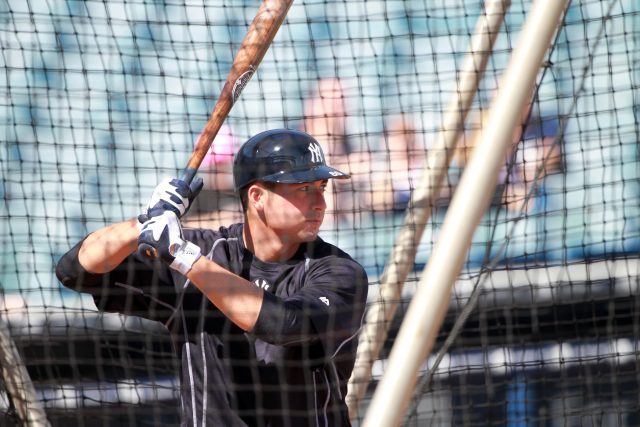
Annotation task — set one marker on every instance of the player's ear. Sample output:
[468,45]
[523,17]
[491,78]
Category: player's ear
[255,196]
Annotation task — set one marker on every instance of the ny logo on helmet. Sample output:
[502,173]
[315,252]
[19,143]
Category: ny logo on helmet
[316,153]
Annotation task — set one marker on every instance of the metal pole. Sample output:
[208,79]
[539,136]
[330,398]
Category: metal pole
[19,386]
[402,258]
[431,301]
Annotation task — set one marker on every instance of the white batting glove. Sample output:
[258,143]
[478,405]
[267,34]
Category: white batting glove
[161,237]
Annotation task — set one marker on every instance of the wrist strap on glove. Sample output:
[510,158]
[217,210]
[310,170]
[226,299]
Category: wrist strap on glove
[185,256]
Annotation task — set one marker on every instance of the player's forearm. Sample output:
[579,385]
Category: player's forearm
[106,248]
[237,298]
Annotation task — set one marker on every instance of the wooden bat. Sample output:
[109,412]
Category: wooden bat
[263,29]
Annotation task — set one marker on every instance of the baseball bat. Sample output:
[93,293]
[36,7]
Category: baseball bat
[255,44]
[263,29]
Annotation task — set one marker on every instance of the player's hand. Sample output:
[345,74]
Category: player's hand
[172,195]
[161,237]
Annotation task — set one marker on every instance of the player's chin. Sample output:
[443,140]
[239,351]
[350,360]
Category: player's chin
[310,230]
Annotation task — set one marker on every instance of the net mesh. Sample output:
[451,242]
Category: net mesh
[102,99]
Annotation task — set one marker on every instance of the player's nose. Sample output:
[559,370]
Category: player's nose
[318,201]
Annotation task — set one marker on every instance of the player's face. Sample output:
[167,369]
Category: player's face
[296,210]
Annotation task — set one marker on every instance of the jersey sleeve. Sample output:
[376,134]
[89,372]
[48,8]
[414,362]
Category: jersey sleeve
[136,287]
[327,310]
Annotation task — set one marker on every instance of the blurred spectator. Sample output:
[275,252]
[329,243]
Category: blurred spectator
[325,118]
[217,202]
[217,164]
[531,150]
[536,153]
[462,155]
[398,168]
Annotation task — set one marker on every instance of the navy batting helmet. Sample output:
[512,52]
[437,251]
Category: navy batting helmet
[281,155]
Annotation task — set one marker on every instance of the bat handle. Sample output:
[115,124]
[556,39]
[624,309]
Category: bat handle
[188,175]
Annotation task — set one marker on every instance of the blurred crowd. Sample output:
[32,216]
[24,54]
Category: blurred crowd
[385,171]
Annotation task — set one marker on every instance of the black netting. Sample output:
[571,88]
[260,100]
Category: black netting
[100,100]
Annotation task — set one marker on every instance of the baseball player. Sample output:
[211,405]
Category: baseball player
[263,314]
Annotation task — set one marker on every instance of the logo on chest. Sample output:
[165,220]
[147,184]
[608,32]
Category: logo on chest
[262,283]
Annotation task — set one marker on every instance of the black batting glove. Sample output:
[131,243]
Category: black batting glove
[173,195]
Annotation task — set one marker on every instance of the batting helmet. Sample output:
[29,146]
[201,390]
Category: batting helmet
[281,155]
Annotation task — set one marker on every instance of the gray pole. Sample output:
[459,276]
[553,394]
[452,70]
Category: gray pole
[402,257]
[431,301]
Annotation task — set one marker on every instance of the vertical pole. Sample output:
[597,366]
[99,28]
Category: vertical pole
[18,383]
[402,257]
[431,301]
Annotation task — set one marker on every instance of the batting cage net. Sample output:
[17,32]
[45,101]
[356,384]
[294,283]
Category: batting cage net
[101,100]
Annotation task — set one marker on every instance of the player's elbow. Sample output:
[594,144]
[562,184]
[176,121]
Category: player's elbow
[66,277]
[70,272]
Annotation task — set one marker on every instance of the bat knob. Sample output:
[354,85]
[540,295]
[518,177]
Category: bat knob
[147,251]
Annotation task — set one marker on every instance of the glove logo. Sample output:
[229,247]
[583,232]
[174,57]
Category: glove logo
[263,284]
[325,300]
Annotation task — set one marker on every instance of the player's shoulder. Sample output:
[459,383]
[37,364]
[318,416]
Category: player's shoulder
[323,252]
[320,248]
[207,237]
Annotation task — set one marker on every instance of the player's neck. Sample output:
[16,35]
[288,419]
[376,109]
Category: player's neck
[267,245]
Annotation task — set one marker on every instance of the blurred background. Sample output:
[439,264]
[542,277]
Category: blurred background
[100,100]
